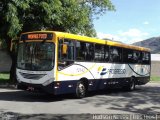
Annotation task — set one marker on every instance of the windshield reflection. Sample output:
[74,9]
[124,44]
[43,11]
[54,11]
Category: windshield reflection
[36,56]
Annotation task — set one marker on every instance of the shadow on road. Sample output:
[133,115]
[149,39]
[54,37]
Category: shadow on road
[16,116]
[56,117]
[143,100]
[24,96]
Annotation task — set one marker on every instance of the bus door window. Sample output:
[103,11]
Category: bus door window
[66,52]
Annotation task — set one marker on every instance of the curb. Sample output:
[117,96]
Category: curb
[8,85]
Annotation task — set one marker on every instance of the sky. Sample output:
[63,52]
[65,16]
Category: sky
[133,21]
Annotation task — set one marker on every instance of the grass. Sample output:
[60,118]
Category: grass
[155,79]
[4,76]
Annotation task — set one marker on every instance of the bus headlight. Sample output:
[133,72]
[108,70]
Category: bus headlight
[48,82]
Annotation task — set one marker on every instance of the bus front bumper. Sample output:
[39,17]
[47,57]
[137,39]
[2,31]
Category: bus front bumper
[36,87]
[55,88]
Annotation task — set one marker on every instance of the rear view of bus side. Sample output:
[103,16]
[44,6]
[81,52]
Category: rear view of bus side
[60,63]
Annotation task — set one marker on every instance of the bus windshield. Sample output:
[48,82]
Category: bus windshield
[36,56]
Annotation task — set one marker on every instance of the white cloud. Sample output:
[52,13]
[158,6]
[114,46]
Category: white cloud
[107,36]
[146,23]
[130,36]
[133,40]
[133,33]
[101,35]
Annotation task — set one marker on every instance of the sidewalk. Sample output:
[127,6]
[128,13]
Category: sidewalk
[7,84]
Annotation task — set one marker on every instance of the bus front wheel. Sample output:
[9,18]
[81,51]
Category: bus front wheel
[80,90]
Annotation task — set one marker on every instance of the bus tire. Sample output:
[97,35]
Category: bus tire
[131,85]
[81,89]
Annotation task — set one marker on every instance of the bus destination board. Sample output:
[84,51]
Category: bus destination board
[37,36]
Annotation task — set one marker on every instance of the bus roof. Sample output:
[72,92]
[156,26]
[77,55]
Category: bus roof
[93,40]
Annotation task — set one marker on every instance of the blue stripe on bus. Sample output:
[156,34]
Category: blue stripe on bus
[69,86]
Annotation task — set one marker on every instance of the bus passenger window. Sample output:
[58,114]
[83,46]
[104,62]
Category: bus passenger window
[136,57]
[99,53]
[106,53]
[127,55]
[80,55]
[115,54]
[145,58]
[84,51]
[89,51]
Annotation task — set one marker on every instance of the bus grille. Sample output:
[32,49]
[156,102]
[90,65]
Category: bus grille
[32,76]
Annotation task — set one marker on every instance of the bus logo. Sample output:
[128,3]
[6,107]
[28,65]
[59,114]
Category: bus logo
[102,70]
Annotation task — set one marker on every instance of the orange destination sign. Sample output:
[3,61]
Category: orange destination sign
[37,36]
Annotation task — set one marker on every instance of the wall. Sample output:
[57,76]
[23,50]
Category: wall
[155,68]
[5,61]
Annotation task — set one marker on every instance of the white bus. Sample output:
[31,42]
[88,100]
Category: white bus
[60,63]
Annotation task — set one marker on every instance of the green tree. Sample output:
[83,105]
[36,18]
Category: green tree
[73,16]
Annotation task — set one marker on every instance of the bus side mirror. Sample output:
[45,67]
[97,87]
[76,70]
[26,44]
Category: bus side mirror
[64,48]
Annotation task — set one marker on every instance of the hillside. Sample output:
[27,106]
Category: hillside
[152,43]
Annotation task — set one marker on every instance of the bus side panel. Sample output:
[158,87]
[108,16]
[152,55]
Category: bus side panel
[101,75]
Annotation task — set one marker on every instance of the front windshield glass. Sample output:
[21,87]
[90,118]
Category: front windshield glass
[35,56]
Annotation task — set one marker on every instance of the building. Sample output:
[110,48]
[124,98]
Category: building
[155,65]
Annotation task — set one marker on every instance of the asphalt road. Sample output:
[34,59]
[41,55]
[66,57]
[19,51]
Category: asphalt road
[144,100]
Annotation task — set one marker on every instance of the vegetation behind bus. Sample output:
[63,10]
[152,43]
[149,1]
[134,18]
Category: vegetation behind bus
[4,76]
[60,15]
[155,78]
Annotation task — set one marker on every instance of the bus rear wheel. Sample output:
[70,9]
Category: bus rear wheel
[80,90]
[131,85]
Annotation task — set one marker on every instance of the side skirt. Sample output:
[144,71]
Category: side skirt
[69,86]
[97,84]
